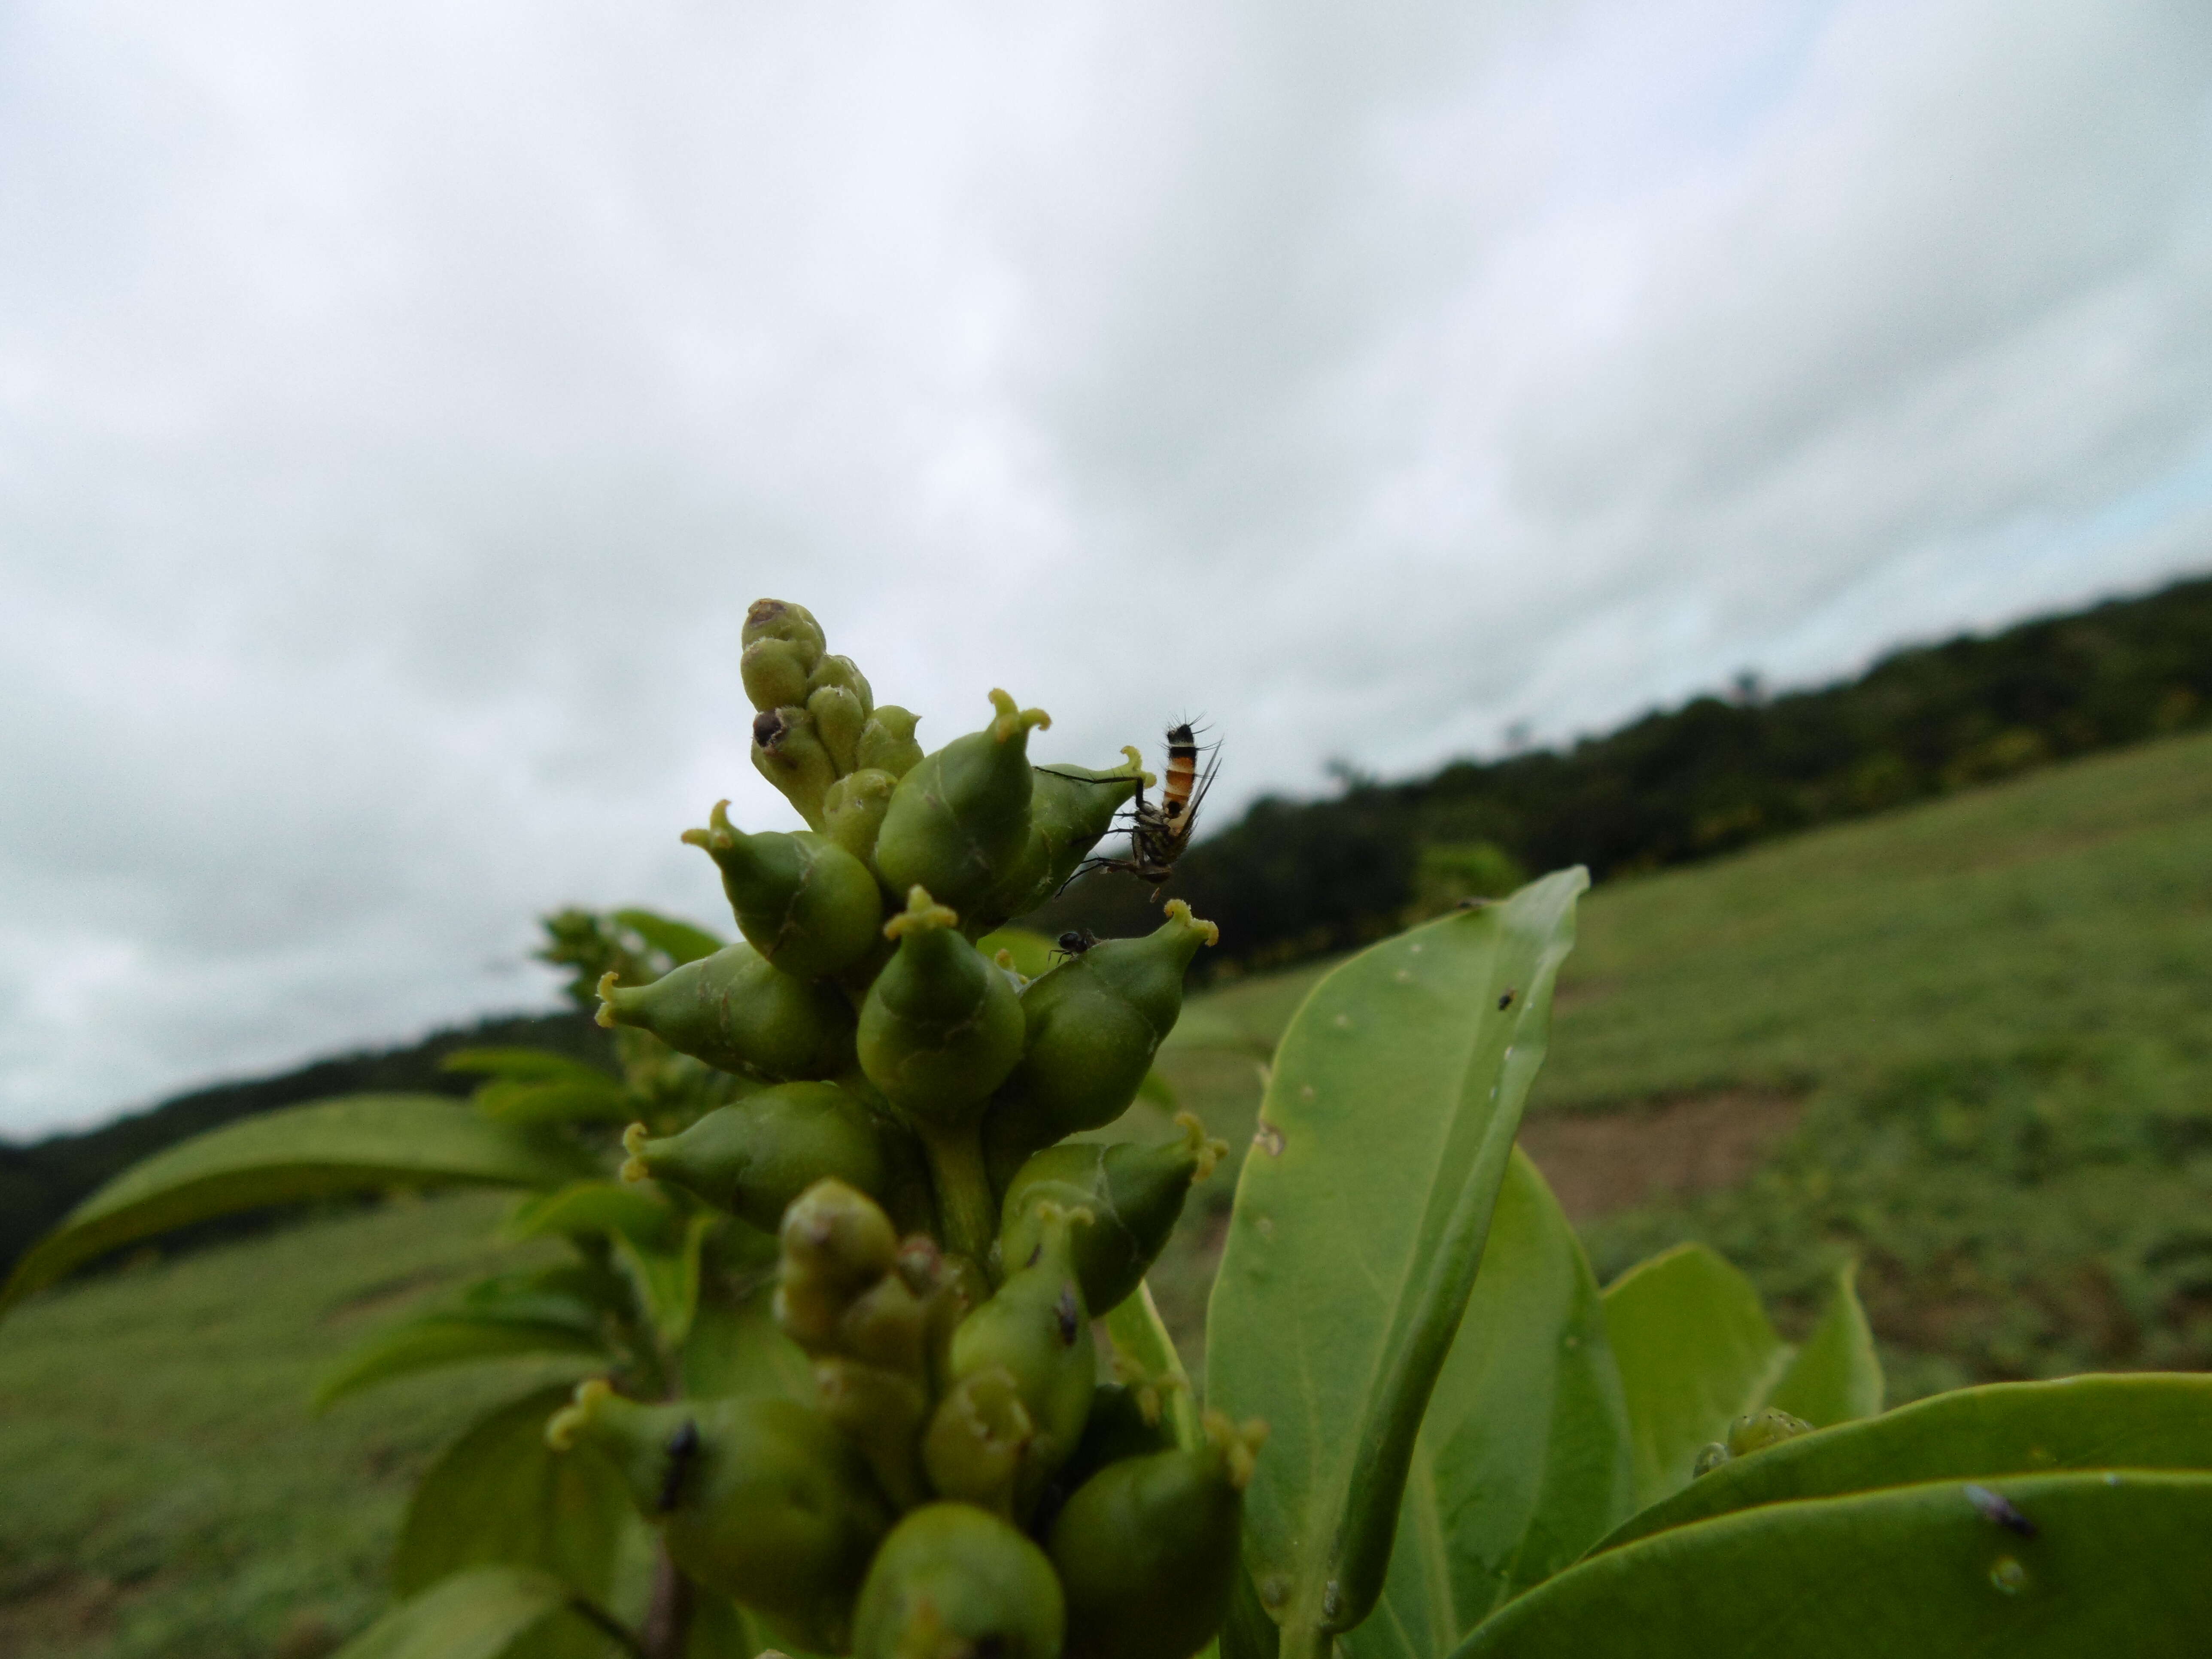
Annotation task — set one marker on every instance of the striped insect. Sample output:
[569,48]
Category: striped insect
[1160,831]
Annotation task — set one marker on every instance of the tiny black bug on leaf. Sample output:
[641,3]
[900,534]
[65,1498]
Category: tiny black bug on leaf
[683,1447]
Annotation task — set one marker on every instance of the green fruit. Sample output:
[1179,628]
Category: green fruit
[1091,1027]
[737,1011]
[779,619]
[1037,1330]
[953,1583]
[844,674]
[790,754]
[753,1158]
[978,1443]
[882,1413]
[1130,1193]
[853,811]
[837,1245]
[1124,1423]
[959,824]
[773,672]
[1756,1431]
[941,1027]
[887,741]
[1071,807]
[1146,1549]
[758,1498]
[804,902]
[838,716]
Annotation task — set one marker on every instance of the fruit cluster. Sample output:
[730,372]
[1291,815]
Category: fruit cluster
[963,1484]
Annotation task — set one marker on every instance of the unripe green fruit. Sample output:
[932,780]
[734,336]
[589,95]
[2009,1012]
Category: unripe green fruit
[941,1027]
[737,1011]
[838,716]
[1071,808]
[979,1441]
[843,673]
[853,811]
[882,1411]
[779,619]
[953,1583]
[754,1157]
[1124,1423]
[773,672]
[960,822]
[887,741]
[836,1244]
[1146,1549]
[1036,1329]
[802,901]
[758,1498]
[1130,1193]
[790,754]
[1091,1027]
[1756,1431]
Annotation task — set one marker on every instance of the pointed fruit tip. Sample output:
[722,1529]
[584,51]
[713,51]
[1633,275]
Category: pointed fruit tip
[565,1425]
[922,914]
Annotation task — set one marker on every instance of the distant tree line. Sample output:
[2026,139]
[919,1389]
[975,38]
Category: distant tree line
[1293,878]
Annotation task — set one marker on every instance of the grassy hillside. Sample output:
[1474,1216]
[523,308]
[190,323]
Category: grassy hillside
[1971,1042]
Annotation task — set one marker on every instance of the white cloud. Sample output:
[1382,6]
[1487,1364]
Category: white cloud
[398,409]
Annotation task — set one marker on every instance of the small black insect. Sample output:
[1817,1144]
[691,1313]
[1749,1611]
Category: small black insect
[1075,941]
[1067,1310]
[1995,1506]
[683,1447]
[1505,1001]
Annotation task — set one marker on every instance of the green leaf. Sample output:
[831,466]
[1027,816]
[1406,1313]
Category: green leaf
[1199,1027]
[1524,1459]
[2147,1420]
[500,1495]
[481,1615]
[1695,1351]
[1158,1090]
[680,941]
[667,1279]
[735,1346]
[617,1209]
[434,1339]
[1141,1336]
[1837,1375]
[556,1100]
[524,1065]
[2117,1565]
[361,1144]
[1360,1219]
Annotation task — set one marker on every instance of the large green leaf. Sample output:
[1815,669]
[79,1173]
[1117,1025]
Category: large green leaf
[500,1495]
[2116,1565]
[484,1613]
[1836,1375]
[634,1211]
[1141,1337]
[556,1100]
[363,1143]
[1360,1219]
[1522,1460]
[2146,1420]
[667,1278]
[1695,1350]
[434,1339]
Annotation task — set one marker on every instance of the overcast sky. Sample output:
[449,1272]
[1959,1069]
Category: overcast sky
[399,405]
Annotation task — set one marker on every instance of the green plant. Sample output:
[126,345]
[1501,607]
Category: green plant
[832,1252]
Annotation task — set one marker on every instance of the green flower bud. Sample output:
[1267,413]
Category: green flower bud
[843,673]
[1131,1193]
[978,1443]
[1756,1431]
[959,824]
[758,1498]
[941,1027]
[790,754]
[778,619]
[836,1244]
[736,1011]
[838,716]
[1146,1549]
[882,1411]
[853,811]
[773,672]
[1036,1329]
[802,901]
[753,1158]
[1092,1025]
[953,1583]
[887,741]
[1711,1457]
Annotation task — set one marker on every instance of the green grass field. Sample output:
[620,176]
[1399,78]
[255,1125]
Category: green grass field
[1974,1039]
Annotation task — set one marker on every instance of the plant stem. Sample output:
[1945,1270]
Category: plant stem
[964,1209]
[668,1619]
